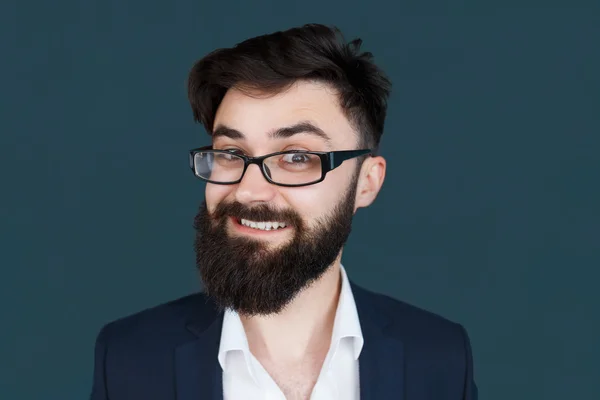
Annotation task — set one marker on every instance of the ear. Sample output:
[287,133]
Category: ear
[372,175]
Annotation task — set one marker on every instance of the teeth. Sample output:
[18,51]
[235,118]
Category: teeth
[264,226]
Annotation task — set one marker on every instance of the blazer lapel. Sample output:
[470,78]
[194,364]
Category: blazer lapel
[381,361]
[198,372]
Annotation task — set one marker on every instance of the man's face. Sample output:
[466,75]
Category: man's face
[258,271]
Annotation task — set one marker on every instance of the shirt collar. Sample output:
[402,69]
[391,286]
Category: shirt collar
[233,336]
[346,325]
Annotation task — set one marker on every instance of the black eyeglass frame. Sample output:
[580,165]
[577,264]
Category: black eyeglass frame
[330,160]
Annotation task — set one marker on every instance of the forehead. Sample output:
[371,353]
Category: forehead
[256,115]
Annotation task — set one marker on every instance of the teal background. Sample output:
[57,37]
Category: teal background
[488,216]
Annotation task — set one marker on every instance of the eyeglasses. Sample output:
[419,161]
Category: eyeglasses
[285,168]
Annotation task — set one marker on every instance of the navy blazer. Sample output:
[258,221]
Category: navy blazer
[170,352]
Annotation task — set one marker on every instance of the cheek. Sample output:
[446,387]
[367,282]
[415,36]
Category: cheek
[314,201]
[214,194]
[304,201]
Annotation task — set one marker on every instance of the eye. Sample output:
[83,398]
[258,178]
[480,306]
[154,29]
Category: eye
[228,158]
[296,158]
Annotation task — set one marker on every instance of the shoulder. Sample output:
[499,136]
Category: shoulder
[130,350]
[415,326]
[165,322]
[436,350]
[433,346]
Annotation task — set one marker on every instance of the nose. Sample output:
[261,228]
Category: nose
[254,187]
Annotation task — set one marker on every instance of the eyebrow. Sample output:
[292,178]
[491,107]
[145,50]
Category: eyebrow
[280,133]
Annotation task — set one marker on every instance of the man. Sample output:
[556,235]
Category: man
[295,119]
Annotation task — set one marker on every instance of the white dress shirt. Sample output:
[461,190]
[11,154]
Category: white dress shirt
[244,378]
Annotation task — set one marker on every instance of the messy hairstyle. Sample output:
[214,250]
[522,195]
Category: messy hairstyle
[270,64]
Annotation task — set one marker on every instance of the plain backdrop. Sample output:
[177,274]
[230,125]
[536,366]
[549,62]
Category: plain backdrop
[488,216]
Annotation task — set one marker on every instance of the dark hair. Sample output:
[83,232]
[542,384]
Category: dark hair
[271,63]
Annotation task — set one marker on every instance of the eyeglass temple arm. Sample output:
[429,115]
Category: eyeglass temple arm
[336,158]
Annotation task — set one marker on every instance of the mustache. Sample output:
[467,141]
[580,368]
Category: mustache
[262,212]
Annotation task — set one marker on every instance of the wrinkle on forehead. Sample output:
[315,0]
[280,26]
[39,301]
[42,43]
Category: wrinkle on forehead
[257,114]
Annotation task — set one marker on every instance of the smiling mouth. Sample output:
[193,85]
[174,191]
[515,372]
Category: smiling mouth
[262,225]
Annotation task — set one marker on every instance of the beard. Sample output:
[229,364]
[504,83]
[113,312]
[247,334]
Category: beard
[253,278]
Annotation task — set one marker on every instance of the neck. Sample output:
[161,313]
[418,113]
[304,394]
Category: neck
[303,328]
